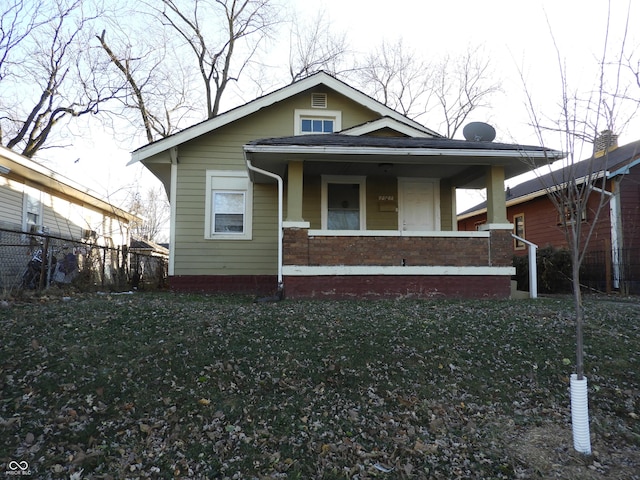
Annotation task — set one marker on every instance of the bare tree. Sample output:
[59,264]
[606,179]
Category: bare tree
[394,75]
[48,73]
[18,20]
[581,186]
[314,47]
[461,85]
[153,207]
[223,35]
[448,90]
[158,89]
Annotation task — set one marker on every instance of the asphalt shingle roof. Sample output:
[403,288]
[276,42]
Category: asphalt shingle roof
[371,141]
[616,159]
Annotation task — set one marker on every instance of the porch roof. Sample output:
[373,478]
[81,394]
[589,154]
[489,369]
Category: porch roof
[461,160]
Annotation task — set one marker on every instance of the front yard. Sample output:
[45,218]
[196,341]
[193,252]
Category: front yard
[186,386]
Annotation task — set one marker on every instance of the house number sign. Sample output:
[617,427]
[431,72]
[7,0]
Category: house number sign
[385,198]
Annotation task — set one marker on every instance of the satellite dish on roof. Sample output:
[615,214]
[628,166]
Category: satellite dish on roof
[479,132]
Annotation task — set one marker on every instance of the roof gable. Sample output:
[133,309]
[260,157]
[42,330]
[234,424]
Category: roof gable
[387,123]
[320,78]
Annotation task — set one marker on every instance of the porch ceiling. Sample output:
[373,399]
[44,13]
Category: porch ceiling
[461,161]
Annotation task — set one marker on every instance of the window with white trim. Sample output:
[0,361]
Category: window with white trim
[32,207]
[316,125]
[343,202]
[313,122]
[571,214]
[229,205]
[518,230]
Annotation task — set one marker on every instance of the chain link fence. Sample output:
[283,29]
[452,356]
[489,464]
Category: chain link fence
[36,261]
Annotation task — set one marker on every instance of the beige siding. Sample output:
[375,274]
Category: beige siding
[11,204]
[379,214]
[61,217]
[222,150]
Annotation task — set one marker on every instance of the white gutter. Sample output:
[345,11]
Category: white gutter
[253,168]
[173,194]
[390,151]
[615,236]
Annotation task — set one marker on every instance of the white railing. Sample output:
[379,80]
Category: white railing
[533,268]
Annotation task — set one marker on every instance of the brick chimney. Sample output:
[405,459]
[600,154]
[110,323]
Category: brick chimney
[605,143]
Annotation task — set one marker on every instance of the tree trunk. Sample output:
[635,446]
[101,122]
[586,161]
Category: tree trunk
[577,300]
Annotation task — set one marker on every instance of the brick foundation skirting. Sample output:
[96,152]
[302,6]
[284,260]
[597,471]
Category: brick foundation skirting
[355,286]
[349,286]
[245,284]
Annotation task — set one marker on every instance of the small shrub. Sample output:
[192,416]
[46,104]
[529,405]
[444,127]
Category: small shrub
[554,270]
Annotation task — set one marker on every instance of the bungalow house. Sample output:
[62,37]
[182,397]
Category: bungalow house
[318,190]
[36,201]
[614,249]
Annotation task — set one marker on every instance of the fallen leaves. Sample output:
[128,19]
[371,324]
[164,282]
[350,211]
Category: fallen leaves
[150,386]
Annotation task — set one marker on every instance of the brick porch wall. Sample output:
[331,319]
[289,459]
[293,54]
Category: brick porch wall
[501,248]
[304,250]
[300,249]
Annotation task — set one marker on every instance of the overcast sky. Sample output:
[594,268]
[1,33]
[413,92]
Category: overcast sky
[514,34]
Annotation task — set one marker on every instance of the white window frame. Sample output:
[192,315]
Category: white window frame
[36,195]
[519,244]
[228,181]
[316,114]
[361,180]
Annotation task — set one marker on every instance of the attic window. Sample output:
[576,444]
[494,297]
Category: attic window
[311,122]
[318,100]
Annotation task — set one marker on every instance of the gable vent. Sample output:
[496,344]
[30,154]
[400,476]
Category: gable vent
[319,100]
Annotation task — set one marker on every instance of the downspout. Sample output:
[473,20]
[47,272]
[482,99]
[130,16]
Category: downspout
[173,193]
[615,237]
[253,168]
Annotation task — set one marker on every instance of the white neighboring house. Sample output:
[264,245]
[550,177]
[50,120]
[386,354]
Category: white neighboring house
[37,203]
[35,199]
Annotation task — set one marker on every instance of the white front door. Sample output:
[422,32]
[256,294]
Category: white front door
[418,204]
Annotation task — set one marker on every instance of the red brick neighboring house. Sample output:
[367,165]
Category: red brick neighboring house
[615,243]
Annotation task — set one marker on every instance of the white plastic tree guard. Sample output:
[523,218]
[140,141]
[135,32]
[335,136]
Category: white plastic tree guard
[580,415]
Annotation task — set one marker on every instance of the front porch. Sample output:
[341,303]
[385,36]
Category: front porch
[375,216]
[384,263]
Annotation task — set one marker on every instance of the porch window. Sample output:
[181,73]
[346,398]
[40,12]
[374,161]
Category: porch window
[518,227]
[343,200]
[229,204]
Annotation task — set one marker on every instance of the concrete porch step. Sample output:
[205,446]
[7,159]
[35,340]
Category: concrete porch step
[517,294]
